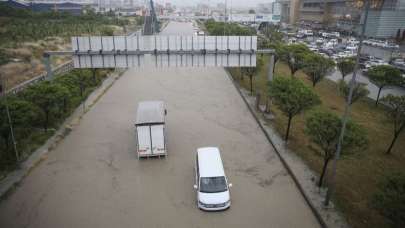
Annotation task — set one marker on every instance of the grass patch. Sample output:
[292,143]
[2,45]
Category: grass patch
[358,174]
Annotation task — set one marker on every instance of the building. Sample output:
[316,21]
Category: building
[288,11]
[264,8]
[323,11]
[385,20]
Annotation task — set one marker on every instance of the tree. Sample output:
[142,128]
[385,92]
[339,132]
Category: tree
[346,66]
[222,29]
[389,199]
[250,72]
[77,81]
[323,129]
[317,67]
[273,35]
[359,90]
[94,75]
[48,97]
[252,11]
[107,31]
[383,76]
[23,116]
[396,113]
[292,97]
[293,55]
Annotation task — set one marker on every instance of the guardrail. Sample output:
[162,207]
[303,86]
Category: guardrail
[61,69]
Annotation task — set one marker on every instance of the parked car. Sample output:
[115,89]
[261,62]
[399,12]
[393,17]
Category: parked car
[211,182]
[372,63]
[319,41]
[335,34]
[399,62]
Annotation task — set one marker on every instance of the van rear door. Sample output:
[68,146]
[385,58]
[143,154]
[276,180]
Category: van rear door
[158,139]
[144,143]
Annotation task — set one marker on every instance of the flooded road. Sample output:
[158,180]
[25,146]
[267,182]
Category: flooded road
[94,179]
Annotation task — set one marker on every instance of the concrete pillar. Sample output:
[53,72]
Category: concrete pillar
[48,68]
[271,68]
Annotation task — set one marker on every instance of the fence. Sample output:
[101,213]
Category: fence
[61,69]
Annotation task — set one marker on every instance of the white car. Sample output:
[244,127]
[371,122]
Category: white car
[211,183]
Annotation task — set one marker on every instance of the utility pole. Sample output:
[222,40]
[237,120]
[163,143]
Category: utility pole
[3,91]
[226,5]
[332,181]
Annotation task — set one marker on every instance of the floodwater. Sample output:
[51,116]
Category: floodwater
[94,179]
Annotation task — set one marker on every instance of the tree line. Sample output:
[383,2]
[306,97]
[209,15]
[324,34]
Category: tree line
[322,127]
[227,29]
[20,25]
[38,110]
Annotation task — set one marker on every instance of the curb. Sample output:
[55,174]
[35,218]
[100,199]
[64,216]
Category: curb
[285,164]
[14,178]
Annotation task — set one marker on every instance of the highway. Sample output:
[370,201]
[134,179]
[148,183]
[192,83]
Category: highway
[94,179]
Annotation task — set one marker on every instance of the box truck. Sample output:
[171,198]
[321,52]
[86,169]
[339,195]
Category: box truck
[150,129]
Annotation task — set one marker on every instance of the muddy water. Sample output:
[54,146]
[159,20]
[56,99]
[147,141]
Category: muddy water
[93,178]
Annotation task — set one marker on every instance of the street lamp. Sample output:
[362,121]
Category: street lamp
[3,93]
[331,187]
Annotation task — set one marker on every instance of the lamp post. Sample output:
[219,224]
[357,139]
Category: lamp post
[10,123]
[331,187]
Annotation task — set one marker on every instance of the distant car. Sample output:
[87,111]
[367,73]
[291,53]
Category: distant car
[319,40]
[211,183]
[309,33]
[392,46]
[335,34]
[292,41]
[300,35]
[374,62]
[351,48]
[399,62]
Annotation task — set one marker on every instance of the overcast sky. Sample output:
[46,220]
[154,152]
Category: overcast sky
[236,3]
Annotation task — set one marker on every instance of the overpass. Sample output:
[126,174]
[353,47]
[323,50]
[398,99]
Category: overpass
[151,24]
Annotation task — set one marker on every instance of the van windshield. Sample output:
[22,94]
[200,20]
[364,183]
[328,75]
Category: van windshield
[212,184]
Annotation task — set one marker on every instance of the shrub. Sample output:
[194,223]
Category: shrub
[389,199]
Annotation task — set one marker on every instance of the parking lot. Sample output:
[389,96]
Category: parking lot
[93,177]
[374,52]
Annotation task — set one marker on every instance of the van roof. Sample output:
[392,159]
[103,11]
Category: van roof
[209,162]
[150,112]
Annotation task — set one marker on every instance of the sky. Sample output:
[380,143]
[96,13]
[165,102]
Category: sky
[235,3]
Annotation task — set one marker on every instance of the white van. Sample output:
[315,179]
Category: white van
[211,183]
[150,129]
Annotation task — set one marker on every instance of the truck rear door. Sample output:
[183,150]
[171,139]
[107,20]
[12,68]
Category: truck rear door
[144,143]
[158,139]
